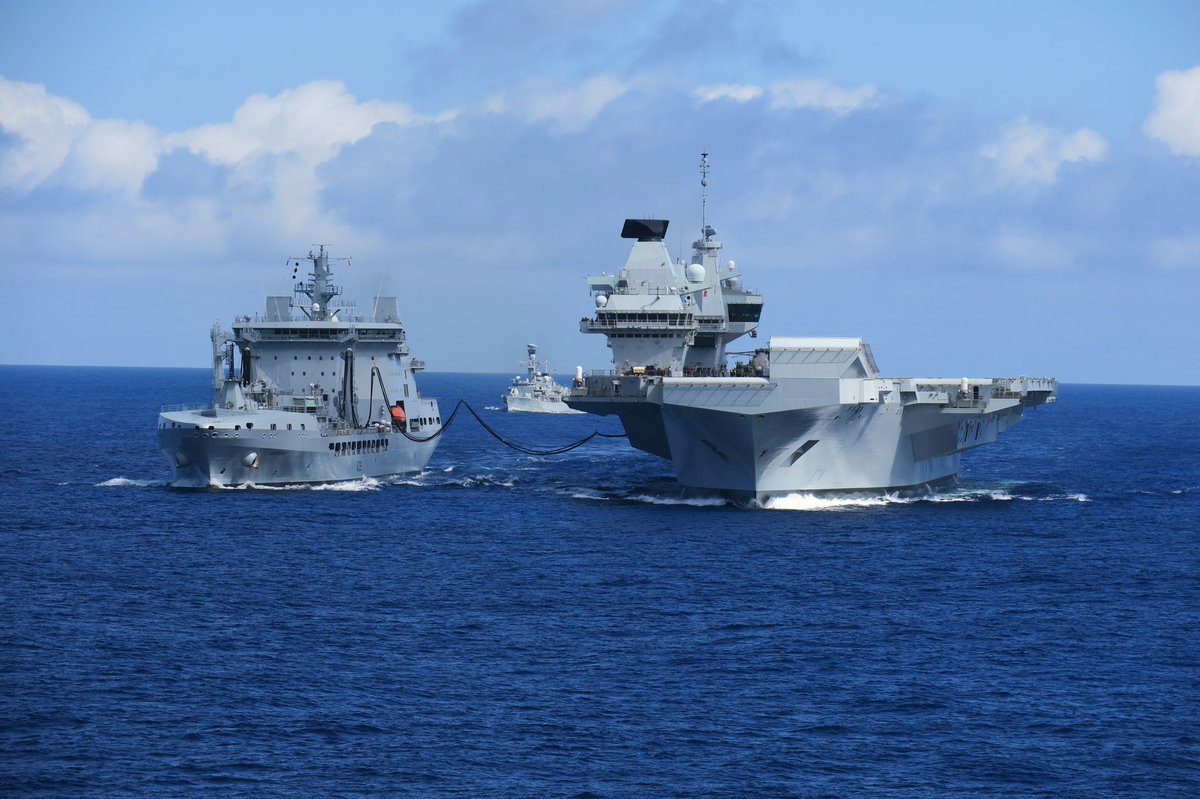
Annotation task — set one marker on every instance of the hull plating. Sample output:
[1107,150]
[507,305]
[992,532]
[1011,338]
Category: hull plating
[202,458]
[519,404]
[885,447]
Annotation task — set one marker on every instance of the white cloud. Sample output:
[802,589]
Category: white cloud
[114,154]
[569,107]
[1030,153]
[54,135]
[1175,120]
[738,92]
[816,93]
[819,93]
[312,122]
[46,128]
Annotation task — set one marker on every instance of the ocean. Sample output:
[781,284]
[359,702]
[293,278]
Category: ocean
[504,625]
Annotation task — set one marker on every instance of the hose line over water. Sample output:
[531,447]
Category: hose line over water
[439,431]
[510,444]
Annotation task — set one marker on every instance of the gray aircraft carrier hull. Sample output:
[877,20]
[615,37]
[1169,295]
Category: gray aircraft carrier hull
[745,437]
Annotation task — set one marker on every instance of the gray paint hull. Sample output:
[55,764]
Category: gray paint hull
[226,457]
[835,447]
[522,404]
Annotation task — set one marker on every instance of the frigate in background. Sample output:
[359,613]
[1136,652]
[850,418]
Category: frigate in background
[799,415]
[536,391]
[308,391]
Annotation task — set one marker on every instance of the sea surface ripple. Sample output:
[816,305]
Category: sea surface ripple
[511,626]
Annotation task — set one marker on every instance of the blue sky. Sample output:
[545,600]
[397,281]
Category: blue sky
[977,189]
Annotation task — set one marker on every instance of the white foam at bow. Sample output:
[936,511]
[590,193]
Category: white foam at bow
[123,482]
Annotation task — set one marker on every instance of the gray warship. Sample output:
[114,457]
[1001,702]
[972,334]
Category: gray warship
[799,415]
[536,391]
[307,391]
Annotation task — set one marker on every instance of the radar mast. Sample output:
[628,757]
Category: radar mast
[704,249]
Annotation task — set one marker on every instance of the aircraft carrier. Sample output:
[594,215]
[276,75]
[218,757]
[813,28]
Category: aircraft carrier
[798,415]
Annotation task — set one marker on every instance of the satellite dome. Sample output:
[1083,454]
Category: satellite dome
[695,273]
[601,300]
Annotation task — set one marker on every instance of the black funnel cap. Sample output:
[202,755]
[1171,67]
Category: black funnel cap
[645,229]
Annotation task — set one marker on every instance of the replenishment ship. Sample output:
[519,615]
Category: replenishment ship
[307,391]
[536,391]
[798,415]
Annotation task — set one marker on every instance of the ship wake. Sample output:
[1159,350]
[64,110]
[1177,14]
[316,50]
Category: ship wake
[956,494]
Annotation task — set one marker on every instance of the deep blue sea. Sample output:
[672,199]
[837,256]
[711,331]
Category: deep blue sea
[513,626]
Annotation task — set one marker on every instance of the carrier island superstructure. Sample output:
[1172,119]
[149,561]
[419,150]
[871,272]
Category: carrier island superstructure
[799,415]
[307,391]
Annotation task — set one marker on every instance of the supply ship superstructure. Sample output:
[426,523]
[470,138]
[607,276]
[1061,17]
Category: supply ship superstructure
[798,415]
[307,391]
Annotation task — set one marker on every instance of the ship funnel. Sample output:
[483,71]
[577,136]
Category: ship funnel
[644,229]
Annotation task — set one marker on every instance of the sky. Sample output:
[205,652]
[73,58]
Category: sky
[977,189]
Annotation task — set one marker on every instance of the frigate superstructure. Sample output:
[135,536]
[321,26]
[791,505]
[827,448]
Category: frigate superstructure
[798,415]
[307,391]
[536,391]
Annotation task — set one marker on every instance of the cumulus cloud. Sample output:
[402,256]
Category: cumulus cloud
[1175,120]
[738,92]
[1030,153]
[55,139]
[568,107]
[113,154]
[44,129]
[813,93]
[819,93]
[310,122]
